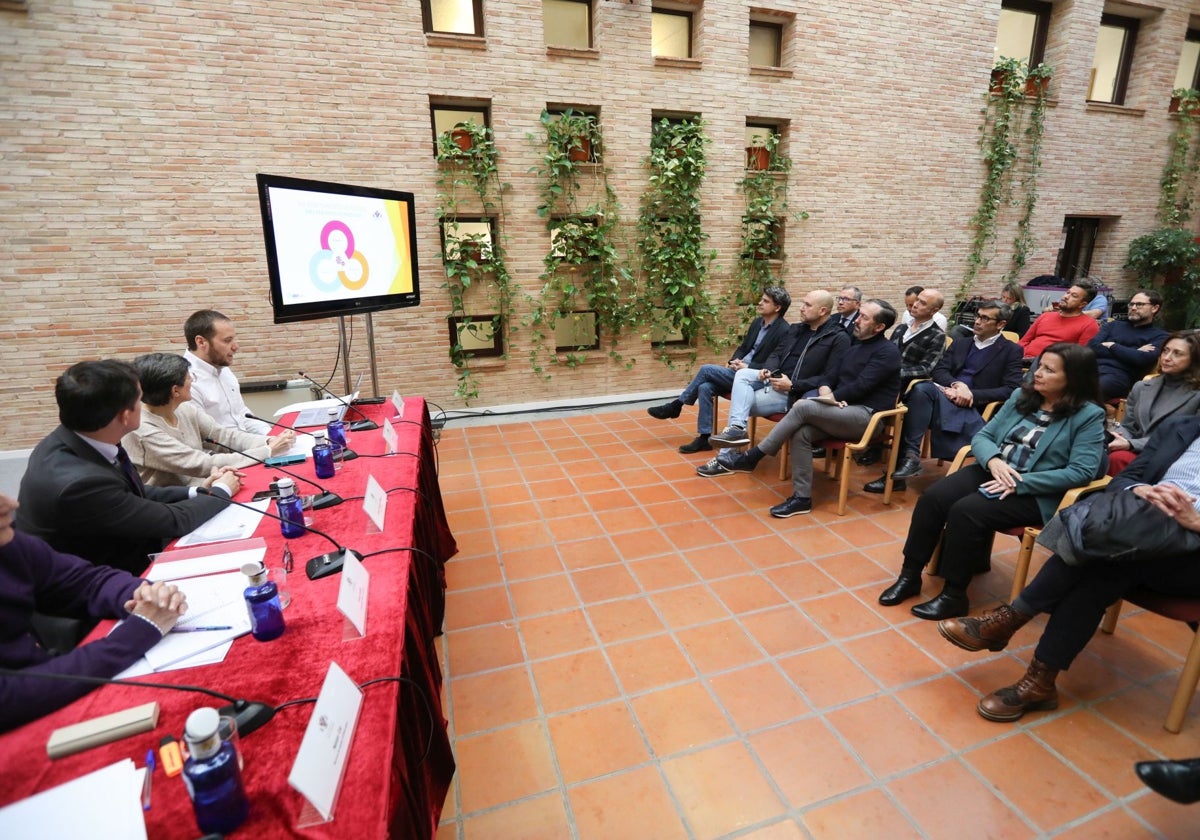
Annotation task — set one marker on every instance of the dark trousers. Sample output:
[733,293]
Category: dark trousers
[921,401]
[1077,596]
[969,520]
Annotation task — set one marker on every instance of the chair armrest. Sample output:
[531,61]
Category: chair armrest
[914,383]
[990,409]
[960,459]
[1076,493]
[873,426]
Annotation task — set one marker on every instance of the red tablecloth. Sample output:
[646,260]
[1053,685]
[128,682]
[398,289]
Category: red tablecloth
[400,764]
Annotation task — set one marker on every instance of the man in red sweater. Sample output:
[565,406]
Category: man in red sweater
[1067,323]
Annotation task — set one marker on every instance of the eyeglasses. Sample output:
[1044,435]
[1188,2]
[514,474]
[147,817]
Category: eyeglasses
[843,299]
[986,318]
[1140,303]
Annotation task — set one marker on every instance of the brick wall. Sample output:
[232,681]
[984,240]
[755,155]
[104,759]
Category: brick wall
[131,135]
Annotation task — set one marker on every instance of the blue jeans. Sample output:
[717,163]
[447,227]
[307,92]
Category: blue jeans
[753,397]
[708,381]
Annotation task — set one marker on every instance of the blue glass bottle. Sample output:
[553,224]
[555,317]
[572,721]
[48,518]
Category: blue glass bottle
[212,775]
[336,429]
[291,509]
[263,604]
[322,454]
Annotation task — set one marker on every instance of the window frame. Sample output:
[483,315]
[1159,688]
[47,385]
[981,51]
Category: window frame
[497,324]
[490,221]
[1042,11]
[688,15]
[579,348]
[1125,67]
[591,27]
[1193,35]
[427,20]
[778,29]
[485,112]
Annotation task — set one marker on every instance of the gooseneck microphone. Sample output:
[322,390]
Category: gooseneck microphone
[364,425]
[317,567]
[324,499]
[250,715]
[347,454]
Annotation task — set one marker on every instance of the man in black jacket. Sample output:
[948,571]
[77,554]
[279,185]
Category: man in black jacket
[972,373]
[764,334]
[811,350]
[868,380]
[81,494]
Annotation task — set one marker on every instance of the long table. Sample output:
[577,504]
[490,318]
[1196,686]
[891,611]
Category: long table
[400,763]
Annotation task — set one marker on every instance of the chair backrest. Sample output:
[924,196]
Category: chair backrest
[1010,335]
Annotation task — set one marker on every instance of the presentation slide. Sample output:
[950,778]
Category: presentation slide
[336,247]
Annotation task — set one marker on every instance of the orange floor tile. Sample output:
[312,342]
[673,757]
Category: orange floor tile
[631,650]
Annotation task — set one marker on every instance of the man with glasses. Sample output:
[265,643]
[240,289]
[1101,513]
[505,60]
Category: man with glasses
[973,372]
[848,301]
[1126,350]
[759,342]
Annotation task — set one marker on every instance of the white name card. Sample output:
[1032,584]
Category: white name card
[391,440]
[375,502]
[353,591]
[321,762]
[398,402]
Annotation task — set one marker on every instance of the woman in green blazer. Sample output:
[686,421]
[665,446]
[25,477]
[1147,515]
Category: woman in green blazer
[1048,438]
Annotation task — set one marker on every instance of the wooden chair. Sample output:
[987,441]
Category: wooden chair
[1027,535]
[1180,609]
[1010,335]
[785,454]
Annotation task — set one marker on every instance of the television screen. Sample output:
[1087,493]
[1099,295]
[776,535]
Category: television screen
[336,249]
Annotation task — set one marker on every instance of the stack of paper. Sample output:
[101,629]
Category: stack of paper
[104,805]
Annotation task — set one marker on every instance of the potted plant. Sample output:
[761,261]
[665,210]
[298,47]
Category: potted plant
[1169,259]
[758,156]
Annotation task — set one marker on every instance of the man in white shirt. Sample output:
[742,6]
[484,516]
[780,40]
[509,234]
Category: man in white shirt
[910,298]
[212,344]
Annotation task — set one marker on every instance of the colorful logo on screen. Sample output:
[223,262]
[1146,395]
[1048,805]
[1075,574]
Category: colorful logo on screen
[337,261]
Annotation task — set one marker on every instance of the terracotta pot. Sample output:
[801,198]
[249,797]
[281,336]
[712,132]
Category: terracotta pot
[998,79]
[581,152]
[758,157]
[1174,109]
[1036,85]
[462,138]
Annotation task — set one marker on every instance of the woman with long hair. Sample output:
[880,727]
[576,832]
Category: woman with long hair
[1175,393]
[1014,296]
[1047,438]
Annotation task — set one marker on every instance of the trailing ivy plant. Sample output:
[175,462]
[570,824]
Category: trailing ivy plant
[583,269]
[468,172]
[1012,90]
[1169,259]
[1179,174]
[672,245]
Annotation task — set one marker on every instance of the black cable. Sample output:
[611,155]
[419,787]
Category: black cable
[462,414]
[402,548]
[390,455]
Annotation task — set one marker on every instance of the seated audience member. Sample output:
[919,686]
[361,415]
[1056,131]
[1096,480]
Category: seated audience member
[973,372]
[760,340]
[1014,296]
[33,576]
[910,298]
[212,343]
[1048,438]
[1126,349]
[1065,323]
[1176,393]
[812,348]
[867,381]
[847,303]
[80,491]
[922,341]
[1076,594]
[168,446]
[1097,308]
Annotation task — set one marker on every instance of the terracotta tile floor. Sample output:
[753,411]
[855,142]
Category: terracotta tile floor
[635,651]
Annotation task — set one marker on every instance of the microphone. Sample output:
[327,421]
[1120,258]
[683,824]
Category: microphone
[323,500]
[317,567]
[250,715]
[364,425]
[347,454]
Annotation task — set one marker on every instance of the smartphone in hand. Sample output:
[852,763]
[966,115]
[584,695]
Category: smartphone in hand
[990,494]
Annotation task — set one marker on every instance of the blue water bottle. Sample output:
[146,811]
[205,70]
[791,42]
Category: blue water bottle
[212,775]
[336,429]
[322,454]
[262,602]
[291,509]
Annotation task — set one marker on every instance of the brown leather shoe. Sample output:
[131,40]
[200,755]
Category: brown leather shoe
[1034,692]
[991,630]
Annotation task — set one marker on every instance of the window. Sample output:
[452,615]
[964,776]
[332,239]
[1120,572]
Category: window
[766,44]
[577,331]
[759,144]
[478,335]
[580,134]
[468,237]
[1187,75]
[444,118]
[461,17]
[1114,59]
[1079,242]
[671,33]
[1022,31]
[567,23]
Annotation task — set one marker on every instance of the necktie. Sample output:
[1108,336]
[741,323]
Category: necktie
[127,468]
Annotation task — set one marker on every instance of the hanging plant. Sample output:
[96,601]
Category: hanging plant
[583,269]
[1000,137]
[1178,180]
[1036,83]
[672,244]
[468,172]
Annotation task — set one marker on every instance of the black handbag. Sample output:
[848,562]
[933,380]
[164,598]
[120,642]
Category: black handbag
[1121,527]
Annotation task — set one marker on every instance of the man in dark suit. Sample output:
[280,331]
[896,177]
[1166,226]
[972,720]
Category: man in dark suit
[972,373]
[848,301]
[1167,475]
[81,494]
[759,342]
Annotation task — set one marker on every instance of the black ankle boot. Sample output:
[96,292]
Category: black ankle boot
[952,603]
[905,587]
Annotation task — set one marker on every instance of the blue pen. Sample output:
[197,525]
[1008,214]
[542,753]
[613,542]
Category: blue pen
[146,782]
[178,629]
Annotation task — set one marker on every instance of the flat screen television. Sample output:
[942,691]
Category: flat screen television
[337,249]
